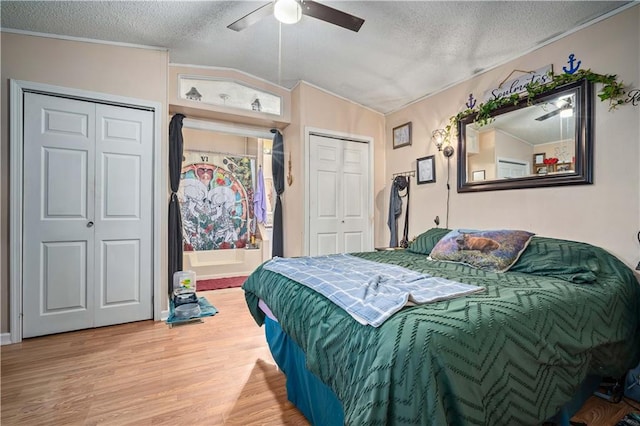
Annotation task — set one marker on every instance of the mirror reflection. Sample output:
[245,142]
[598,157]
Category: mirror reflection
[543,142]
[537,140]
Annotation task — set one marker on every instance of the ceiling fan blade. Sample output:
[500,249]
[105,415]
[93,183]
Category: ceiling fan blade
[331,15]
[555,112]
[253,17]
[549,115]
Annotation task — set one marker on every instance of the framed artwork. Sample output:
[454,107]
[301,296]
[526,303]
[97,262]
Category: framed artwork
[542,170]
[563,167]
[539,158]
[402,135]
[478,175]
[426,169]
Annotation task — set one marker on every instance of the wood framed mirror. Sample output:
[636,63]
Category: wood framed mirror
[544,141]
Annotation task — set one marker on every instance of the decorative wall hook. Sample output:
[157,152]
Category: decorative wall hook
[289,175]
[472,102]
[407,173]
[572,68]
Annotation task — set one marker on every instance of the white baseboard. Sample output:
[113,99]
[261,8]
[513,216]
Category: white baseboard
[5,339]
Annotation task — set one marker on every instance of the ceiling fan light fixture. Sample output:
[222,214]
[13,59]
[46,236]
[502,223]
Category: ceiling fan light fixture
[287,11]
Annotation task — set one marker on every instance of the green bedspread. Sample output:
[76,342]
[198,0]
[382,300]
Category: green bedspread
[511,355]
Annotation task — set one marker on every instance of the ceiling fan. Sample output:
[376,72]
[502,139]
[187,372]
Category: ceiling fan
[290,11]
[564,108]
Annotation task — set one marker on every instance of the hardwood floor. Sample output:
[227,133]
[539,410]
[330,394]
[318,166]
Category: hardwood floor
[598,412]
[145,373]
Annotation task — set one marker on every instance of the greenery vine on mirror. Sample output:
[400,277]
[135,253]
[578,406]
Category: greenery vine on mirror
[612,91]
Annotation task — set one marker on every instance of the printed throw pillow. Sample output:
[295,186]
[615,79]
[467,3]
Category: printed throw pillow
[493,251]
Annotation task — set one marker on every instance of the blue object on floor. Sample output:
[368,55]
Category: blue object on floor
[313,398]
[206,310]
[632,383]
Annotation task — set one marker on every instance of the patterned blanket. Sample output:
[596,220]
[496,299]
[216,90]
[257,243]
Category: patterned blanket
[369,291]
[513,354]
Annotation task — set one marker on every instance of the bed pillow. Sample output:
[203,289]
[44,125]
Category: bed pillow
[425,242]
[568,260]
[493,251]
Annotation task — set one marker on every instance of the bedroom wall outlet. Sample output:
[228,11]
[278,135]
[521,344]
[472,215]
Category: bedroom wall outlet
[437,222]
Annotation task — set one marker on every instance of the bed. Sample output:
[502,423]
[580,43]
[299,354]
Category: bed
[526,349]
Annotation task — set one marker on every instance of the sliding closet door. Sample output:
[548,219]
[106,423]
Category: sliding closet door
[338,196]
[87,215]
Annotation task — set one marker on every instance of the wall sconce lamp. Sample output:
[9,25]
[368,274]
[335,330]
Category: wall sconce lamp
[287,11]
[439,138]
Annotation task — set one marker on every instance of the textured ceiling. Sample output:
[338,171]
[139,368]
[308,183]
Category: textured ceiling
[404,51]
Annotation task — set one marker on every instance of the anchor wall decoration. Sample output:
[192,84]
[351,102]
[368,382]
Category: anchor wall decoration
[472,102]
[572,68]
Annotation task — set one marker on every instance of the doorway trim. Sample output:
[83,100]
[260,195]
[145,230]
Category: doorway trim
[308,132]
[17,88]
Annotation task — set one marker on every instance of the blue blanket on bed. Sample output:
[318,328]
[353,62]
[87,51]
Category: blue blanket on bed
[369,291]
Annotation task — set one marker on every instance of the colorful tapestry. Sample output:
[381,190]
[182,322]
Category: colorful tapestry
[216,199]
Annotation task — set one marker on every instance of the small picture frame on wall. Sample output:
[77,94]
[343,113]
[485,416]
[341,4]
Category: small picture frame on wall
[539,158]
[478,175]
[402,135]
[426,169]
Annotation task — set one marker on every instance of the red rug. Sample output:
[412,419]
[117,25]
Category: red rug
[218,283]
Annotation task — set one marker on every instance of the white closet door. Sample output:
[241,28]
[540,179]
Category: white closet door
[123,220]
[338,196]
[355,190]
[79,260]
[58,261]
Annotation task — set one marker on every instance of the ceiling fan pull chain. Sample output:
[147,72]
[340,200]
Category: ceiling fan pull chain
[279,53]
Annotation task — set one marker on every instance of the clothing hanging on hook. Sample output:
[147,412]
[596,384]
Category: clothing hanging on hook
[259,199]
[400,183]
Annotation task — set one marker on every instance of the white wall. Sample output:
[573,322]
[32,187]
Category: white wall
[606,213]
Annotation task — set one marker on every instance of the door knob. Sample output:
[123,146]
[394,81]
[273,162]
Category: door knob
[89,224]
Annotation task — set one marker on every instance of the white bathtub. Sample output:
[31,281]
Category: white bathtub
[222,263]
